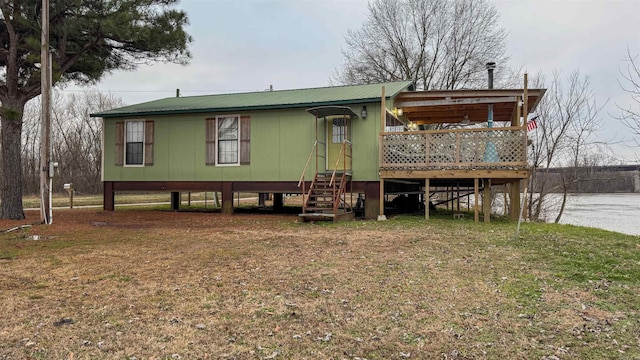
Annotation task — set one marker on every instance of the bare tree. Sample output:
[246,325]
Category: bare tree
[30,153]
[438,44]
[566,137]
[630,83]
[78,136]
[76,141]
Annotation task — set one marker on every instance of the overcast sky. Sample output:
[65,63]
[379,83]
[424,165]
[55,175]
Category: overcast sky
[248,45]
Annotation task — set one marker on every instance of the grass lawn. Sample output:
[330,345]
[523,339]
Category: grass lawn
[62,199]
[153,284]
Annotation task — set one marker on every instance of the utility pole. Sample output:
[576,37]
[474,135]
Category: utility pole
[46,168]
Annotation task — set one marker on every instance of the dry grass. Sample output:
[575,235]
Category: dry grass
[62,199]
[166,285]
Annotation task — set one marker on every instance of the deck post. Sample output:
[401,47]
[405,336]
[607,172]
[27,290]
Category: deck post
[372,200]
[476,216]
[525,100]
[278,201]
[108,196]
[426,199]
[381,215]
[175,201]
[383,123]
[227,198]
[262,199]
[515,121]
[514,210]
[525,200]
[486,203]
[505,199]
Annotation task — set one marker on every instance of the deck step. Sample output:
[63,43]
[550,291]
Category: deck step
[314,210]
[322,197]
[327,217]
[319,207]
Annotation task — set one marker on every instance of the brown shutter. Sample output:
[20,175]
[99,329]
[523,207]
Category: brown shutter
[245,140]
[148,142]
[210,141]
[120,143]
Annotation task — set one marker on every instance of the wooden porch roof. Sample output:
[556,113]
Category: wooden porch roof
[453,106]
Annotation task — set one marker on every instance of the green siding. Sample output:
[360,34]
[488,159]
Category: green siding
[179,158]
[282,134]
[280,144]
[365,145]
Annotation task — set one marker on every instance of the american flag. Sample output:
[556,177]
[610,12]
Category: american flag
[532,123]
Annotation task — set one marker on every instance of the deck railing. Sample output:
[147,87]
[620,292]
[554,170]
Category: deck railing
[481,148]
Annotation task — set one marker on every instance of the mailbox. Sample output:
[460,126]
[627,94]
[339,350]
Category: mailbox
[69,188]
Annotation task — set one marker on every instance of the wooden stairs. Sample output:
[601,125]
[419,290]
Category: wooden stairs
[326,198]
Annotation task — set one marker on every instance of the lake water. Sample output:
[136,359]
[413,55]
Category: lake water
[615,212]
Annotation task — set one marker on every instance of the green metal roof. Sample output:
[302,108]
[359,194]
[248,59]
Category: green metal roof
[282,99]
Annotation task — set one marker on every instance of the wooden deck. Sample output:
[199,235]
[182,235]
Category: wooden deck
[475,156]
[502,150]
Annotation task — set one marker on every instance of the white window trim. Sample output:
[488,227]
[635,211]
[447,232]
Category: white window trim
[218,139]
[144,137]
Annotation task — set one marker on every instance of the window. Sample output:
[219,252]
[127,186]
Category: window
[339,130]
[134,154]
[227,139]
[134,143]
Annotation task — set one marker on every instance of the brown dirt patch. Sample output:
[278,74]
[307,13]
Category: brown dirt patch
[155,284]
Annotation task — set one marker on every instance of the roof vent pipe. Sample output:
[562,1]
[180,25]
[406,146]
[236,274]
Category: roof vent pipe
[490,66]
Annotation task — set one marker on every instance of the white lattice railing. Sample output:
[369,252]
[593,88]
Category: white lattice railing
[482,148]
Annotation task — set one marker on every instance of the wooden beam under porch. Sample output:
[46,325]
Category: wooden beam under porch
[227,188]
[498,176]
[483,183]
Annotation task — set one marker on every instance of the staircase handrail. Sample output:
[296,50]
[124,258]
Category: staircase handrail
[343,152]
[337,197]
[304,172]
[350,155]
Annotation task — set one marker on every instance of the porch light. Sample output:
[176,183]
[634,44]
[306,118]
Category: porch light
[413,126]
[363,112]
[397,112]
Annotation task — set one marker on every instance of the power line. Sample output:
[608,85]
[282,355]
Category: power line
[225,91]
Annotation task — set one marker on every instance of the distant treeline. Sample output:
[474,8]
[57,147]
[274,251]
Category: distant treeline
[76,141]
[596,179]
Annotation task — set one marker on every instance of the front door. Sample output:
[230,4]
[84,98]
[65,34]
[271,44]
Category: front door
[338,131]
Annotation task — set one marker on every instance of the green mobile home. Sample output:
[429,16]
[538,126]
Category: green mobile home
[323,143]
